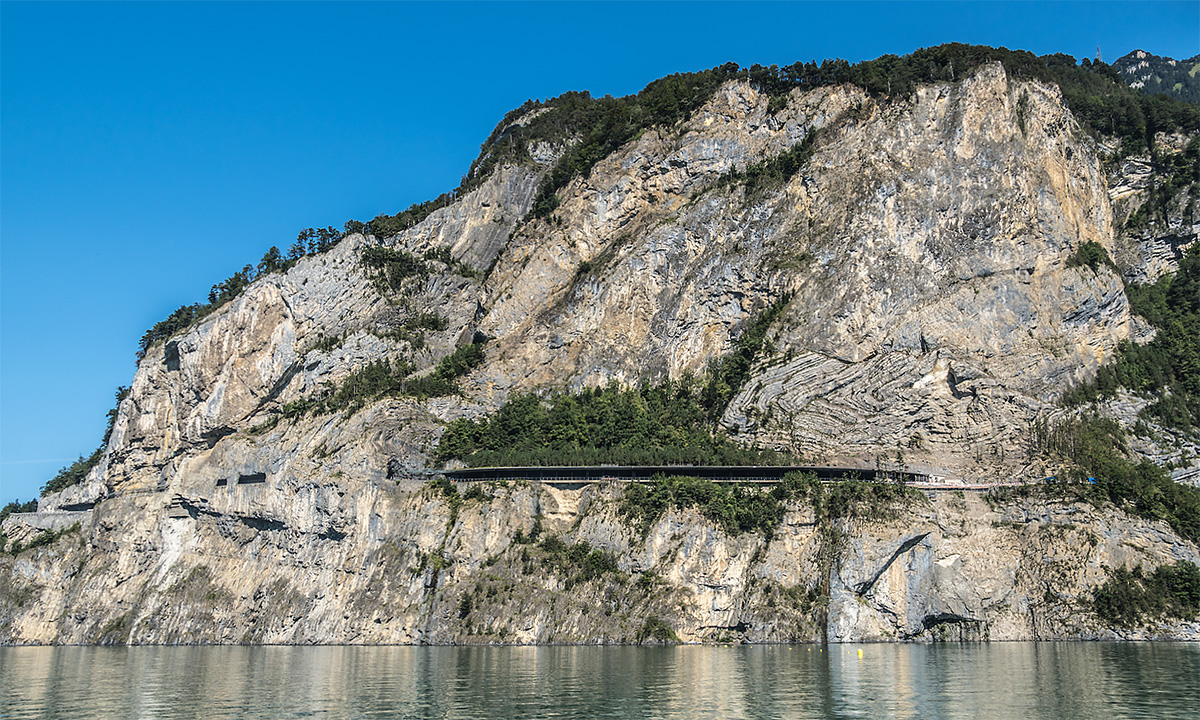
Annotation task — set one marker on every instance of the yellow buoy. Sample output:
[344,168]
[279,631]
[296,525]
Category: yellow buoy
[860,653]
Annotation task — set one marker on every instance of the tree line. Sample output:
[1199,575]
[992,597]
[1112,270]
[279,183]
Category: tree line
[380,379]
[309,241]
[673,422]
[1168,367]
[1094,91]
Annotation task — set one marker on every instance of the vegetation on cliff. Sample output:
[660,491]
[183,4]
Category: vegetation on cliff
[775,171]
[380,379]
[602,125]
[16,506]
[75,473]
[576,562]
[1098,469]
[646,425]
[390,269]
[42,539]
[737,508]
[674,422]
[1091,254]
[1132,597]
[1168,367]
[1094,91]
[1174,172]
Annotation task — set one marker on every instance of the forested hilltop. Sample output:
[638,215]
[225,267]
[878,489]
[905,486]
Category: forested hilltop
[965,263]
[1152,74]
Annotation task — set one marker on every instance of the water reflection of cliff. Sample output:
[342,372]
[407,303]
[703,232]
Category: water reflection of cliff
[998,680]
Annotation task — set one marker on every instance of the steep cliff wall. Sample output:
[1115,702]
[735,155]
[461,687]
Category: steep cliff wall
[924,244]
[395,564]
[932,319]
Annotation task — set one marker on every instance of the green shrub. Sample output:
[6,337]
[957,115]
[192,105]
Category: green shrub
[384,378]
[1097,469]
[773,172]
[654,629]
[853,499]
[174,323]
[1130,597]
[1168,366]
[735,508]
[74,473]
[727,375]
[16,506]
[444,378]
[44,538]
[1093,255]
[579,562]
[378,379]
[443,255]
[412,329]
[388,269]
[329,343]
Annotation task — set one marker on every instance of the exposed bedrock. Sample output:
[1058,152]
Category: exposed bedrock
[931,320]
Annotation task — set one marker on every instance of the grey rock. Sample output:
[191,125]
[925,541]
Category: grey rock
[932,322]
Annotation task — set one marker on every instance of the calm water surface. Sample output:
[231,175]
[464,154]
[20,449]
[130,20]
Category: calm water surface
[1002,680]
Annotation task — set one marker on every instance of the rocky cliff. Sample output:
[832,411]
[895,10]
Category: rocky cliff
[931,319]
[401,563]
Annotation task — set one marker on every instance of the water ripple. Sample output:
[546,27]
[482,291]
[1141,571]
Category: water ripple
[1004,680]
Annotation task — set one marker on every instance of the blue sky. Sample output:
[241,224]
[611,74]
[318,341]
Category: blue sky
[148,151]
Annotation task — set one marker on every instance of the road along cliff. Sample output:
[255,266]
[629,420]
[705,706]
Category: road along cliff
[916,254]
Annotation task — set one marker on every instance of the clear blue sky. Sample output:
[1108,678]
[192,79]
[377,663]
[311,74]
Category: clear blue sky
[148,151]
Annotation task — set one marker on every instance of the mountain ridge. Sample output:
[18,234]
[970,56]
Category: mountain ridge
[930,259]
[1155,74]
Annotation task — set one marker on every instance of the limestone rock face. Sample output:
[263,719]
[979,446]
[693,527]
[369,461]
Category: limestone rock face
[930,319]
[1150,246]
[1151,238]
[924,246]
[386,563]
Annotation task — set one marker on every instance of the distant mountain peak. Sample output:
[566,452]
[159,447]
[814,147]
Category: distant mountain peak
[1154,74]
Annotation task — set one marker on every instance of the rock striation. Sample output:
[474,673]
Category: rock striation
[931,319]
[378,564]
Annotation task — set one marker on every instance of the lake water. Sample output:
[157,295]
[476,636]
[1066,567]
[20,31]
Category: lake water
[1001,680]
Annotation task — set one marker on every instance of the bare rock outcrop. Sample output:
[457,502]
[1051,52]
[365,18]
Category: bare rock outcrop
[385,563]
[930,319]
